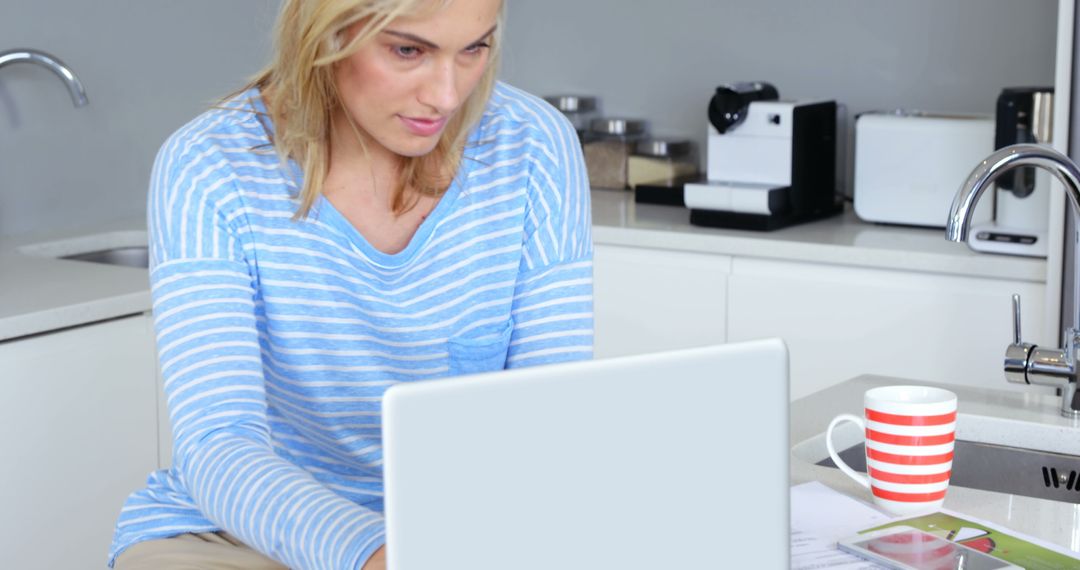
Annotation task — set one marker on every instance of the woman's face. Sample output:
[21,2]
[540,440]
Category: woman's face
[402,87]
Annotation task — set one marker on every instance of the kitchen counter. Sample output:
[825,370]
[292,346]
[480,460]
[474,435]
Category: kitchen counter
[1053,521]
[40,293]
[841,240]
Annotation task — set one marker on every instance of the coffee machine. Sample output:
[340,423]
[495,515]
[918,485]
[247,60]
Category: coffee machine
[1023,115]
[770,164]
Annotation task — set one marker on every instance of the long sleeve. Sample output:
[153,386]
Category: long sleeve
[204,294]
[553,299]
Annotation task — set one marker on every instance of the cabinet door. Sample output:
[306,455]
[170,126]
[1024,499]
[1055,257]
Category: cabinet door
[840,322]
[79,417]
[648,300]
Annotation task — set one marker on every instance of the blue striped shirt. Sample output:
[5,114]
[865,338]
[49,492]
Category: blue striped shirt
[277,338]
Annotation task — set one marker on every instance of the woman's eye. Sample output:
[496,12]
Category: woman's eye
[477,48]
[407,52]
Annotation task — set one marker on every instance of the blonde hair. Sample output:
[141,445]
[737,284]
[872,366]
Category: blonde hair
[303,93]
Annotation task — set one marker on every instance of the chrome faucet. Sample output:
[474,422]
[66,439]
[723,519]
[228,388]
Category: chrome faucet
[1026,363]
[74,86]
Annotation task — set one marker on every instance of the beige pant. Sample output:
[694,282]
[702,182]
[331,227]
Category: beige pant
[202,551]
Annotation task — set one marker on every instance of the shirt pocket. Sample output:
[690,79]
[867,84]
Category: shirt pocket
[480,353]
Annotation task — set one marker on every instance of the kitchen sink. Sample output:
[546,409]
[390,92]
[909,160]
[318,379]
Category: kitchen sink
[999,468]
[126,248]
[991,454]
[136,256]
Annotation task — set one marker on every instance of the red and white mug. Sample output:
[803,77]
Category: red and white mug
[910,432]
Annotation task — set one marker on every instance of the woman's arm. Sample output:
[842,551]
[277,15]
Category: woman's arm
[204,291]
[377,560]
[553,298]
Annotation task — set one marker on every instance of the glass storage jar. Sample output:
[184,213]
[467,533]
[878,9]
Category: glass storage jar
[580,109]
[660,161]
[608,150]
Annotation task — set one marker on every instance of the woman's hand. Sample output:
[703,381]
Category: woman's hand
[377,560]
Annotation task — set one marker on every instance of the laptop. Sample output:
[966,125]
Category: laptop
[674,459]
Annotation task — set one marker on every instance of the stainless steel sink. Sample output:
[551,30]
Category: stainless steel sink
[136,256]
[1006,454]
[990,467]
[126,248]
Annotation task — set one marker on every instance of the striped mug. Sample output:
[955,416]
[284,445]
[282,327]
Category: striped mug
[910,431]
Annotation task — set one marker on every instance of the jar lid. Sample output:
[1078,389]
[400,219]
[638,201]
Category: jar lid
[572,103]
[662,148]
[617,126]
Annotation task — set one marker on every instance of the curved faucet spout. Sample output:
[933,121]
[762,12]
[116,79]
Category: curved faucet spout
[1026,363]
[74,86]
[1000,162]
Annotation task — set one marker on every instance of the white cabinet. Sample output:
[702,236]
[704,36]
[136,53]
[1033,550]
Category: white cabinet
[840,322]
[79,433]
[649,299]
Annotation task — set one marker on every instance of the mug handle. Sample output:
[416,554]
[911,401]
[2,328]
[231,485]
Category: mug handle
[858,477]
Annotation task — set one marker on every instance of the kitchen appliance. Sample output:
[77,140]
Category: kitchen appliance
[730,103]
[1024,115]
[770,163]
[909,164]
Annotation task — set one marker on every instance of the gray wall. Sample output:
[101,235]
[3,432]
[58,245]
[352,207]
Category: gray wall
[150,65]
[662,60]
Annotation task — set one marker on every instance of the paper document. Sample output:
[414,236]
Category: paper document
[809,552]
[819,517]
[830,515]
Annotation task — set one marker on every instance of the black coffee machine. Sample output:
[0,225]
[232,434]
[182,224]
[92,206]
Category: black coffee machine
[770,163]
[1024,115]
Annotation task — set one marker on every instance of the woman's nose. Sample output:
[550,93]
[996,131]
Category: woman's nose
[441,90]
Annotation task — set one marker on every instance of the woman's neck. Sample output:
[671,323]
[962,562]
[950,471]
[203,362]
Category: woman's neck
[363,166]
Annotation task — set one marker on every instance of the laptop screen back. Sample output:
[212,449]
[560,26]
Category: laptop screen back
[667,460]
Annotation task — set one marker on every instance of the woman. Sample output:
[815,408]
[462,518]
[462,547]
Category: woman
[375,208]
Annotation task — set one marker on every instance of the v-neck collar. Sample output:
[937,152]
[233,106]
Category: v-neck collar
[324,210]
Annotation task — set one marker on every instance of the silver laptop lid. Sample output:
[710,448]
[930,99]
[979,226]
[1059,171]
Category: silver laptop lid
[667,460]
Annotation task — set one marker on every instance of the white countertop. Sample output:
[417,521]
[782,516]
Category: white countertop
[39,293]
[1054,521]
[841,240]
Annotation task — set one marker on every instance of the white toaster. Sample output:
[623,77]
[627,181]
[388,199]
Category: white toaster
[908,166]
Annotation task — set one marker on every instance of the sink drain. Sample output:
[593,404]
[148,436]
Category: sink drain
[1051,477]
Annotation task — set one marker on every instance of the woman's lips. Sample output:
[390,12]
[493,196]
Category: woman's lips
[423,127]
